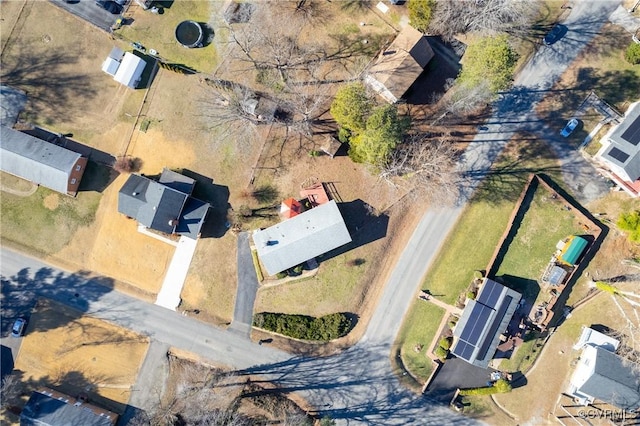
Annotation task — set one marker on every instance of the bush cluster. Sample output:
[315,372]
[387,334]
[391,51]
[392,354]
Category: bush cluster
[632,54]
[500,386]
[305,327]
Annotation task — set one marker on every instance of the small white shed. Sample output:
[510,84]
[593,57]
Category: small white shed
[130,70]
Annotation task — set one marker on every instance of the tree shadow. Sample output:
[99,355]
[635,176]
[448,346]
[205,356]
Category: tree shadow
[21,291]
[369,392]
[48,88]
[217,196]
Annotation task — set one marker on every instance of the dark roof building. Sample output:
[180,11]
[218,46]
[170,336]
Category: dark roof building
[47,407]
[165,205]
[602,375]
[301,238]
[620,150]
[477,334]
[41,162]
[400,64]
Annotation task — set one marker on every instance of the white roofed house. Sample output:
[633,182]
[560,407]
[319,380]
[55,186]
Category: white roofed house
[41,162]
[620,152]
[301,238]
[125,67]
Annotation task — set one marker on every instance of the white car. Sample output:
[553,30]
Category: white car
[570,127]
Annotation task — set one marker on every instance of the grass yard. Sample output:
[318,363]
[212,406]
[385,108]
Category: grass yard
[467,249]
[336,288]
[155,31]
[549,377]
[545,222]
[74,353]
[419,328]
[46,221]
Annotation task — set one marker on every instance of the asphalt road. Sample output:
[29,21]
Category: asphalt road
[356,386]
[89,11]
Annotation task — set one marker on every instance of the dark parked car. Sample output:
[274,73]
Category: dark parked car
[110,6]
[18,327]
[555,34]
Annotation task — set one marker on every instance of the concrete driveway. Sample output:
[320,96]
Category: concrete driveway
[89,11]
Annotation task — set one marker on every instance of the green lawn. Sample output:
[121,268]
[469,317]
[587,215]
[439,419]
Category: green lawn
[336,288]
[467,249]
[157,32]
[419,327]
[544,223]
[45,221]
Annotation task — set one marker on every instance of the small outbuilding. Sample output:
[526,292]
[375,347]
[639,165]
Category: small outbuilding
[573,249]
[125,67]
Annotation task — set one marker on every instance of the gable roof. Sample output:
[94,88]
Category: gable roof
[400,64]
[303,237]
[130,70]
[38,161]
[611,381]
[624,148]
[48,407]
[483,320]
[151,203]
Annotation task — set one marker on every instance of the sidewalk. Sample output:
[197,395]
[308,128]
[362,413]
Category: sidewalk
[449,310]
[626,20]
[169,296]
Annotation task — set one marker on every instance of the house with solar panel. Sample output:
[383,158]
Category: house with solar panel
[165,205]
[477,334]
[620,152]
[41,162]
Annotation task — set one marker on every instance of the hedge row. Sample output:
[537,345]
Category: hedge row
[305,327]
[500,386]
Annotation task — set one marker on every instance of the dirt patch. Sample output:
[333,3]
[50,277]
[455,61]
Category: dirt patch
[74,353]
[51,201]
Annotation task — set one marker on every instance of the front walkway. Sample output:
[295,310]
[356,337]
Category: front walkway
[449,310]
[169,296]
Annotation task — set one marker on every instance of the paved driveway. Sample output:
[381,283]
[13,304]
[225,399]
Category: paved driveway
[90,12]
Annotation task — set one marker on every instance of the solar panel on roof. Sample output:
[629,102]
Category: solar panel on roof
[493,329]
[463,350]
[632,134]
[476,323]
[619,155]
[490,294]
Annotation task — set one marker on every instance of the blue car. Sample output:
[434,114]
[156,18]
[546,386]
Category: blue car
[569,128]
[18,327]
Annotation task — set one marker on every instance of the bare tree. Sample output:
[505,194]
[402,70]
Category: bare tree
[10,390]
[462,100]
[483,16]
[271,46]
[425,167]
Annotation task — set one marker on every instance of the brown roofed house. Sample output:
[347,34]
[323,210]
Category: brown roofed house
[400,64]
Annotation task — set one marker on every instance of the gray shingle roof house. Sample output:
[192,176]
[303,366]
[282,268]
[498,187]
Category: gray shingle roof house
[47,407]
[620,150]
[602,375]
[165,205]
[477,333]
[301,238]
[41,162]
[400,64]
